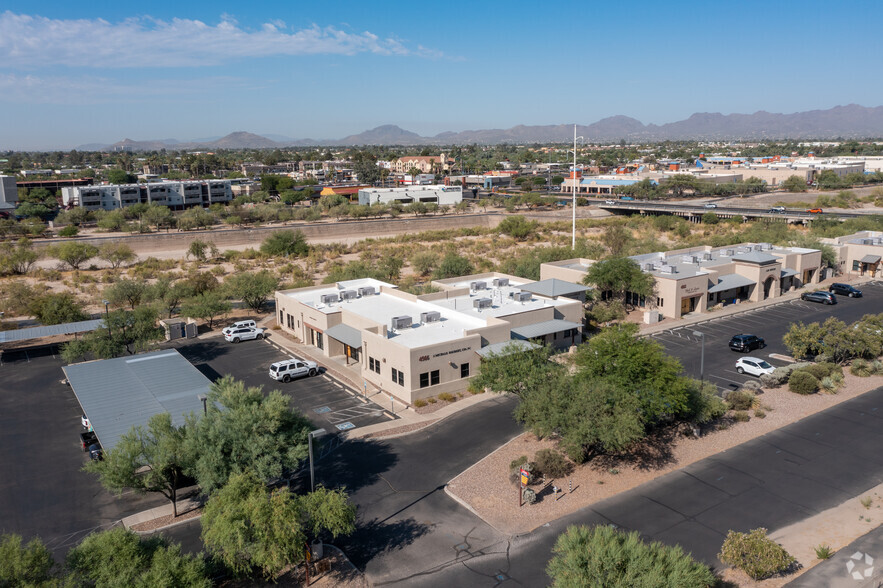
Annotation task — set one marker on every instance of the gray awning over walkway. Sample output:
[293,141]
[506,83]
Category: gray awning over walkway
[506,347]
[870,259]
[554,287]
[50,330]
[787,272]
[118,394]
[544,328]
[730,282]
[346,335]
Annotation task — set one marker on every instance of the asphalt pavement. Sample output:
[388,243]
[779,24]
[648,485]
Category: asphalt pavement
[770,322]
[858,565]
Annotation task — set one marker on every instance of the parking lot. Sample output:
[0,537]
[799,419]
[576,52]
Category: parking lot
[770,322]
[325,401]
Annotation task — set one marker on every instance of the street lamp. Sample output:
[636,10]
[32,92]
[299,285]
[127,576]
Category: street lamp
[573,239]
[701,335]
[106,317]
[310,435]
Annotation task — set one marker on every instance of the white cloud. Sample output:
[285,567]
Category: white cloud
[34,41]
[88,90]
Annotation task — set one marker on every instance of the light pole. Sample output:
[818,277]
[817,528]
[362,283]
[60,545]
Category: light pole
[106,317]
[701,335]
[310,435]
[203,398]
[573,240]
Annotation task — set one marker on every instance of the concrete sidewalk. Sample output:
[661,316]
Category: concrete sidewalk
[192,500]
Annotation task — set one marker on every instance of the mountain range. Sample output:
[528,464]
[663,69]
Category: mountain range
[849,122]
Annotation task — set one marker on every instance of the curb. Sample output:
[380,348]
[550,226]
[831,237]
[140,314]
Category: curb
[164,527]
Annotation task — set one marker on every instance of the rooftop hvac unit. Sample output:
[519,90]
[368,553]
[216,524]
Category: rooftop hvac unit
[867,241]
[727,253]
[329,298]
[649,267]
[349,295]
[366,291]
[399,322]
[758,247]
[478,285]
[707,256]
[500,282]
[688,259]
[695,259]
[524,297]
[480,303]
[668,269]
[433,316]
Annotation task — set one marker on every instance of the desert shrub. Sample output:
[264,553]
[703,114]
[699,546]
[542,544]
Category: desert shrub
[803,382]
[861,368]
[741,416]
[830,383]
[755,554]
[760,413]
[552,464]
[741,399]
[877,367]
[752,385]
[780,376]
[432,400]
[822,370]
[69,231]
[447,397]
[420,403]
[517,462]
[823,551]
[703,404]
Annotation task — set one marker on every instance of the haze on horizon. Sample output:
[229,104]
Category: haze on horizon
[96,73]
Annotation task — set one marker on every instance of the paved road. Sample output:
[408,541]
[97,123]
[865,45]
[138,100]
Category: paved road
[837,571]
[770,322]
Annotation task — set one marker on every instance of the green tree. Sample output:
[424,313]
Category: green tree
[116,253]
[252,288]
[32,210]
[169,293]
[390,267]
[620,276]
[125,332]
[517,227]
[125,291]
[119,176]
[424,262]
[453,265]
[710,218]
[73,254]
[605,557]
[515,371]
[29,565]
[158,216]
[250,528]
[286,243]
[794,184]
[147,460]
[200,250]
[118,557]
[18,258]
[55,308]
[617,239]
[206,305]
[244,430]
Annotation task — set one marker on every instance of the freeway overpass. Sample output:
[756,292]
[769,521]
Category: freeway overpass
[694,212]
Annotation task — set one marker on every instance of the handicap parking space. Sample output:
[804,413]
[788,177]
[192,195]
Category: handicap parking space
[770,322]
[328,404]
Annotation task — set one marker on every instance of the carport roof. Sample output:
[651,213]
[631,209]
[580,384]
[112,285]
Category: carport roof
[870,259]
[787,272]
[50,330]
[729,282]
[554,287]
[118,394]
[346,335]
[544,328]
[506,347]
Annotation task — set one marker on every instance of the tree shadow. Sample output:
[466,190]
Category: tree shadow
[353,464]
[375,538]
[652,453]
[203,351]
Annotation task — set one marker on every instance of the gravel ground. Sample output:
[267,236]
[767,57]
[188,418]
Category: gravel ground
[486,488]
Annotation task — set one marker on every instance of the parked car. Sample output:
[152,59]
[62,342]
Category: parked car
[710,205]
[815,211]
[293,368]
[95,452]
[777,209]
[746,343]
[819,296]
[243,334]
[753,366]
[87,439]
[609,202]
[85,422]
[239,325]
[845,290]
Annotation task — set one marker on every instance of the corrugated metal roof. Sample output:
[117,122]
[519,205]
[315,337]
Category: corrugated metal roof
[118,394]
[346,335]
[506,347]
[554,287]
[729,282]
[756,257]
[870,259]
[50,330]
[544,328]
[788,272]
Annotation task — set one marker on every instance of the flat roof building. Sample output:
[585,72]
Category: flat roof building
[176,195]
[441,195]
[414,347]
[8,193]
[859,254]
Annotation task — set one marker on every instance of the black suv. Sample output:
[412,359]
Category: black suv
[845,290]
[746,343]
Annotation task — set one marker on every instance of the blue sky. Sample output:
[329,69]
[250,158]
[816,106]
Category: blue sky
[76,73]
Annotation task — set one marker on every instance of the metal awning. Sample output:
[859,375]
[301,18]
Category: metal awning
[788,272]
[554,287]
[870,259]
[544,328]
[50,330]
[346,335]
[730,282]
[506,348]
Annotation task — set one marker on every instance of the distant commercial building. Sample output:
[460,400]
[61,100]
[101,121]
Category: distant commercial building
[441,195]
[597,185]
[178,195]
[859,254]
[697,278]
[8,193]
[427,164]
[414,347]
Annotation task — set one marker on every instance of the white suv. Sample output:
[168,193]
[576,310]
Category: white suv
[753,366]
[239,325]
[293,368]
[243,334]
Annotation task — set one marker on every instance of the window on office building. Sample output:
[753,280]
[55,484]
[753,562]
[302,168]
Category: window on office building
[856,265]
[374,365]
[433,378]
[398,377]
[424,379]
[464,370]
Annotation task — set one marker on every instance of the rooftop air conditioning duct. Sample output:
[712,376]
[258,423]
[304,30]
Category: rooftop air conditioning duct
[478,285]
[329,298]
[432,316]
[400,322]
[524,297]
[649,267]
[500,282]
[480,303]
[349,295]
[366,291]
[707,256]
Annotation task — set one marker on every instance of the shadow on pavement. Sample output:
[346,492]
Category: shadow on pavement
[355,464]
[376,537]
[200,353]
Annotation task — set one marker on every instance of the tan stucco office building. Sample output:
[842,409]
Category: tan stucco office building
[415,347]
[697,278]
[859,254]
